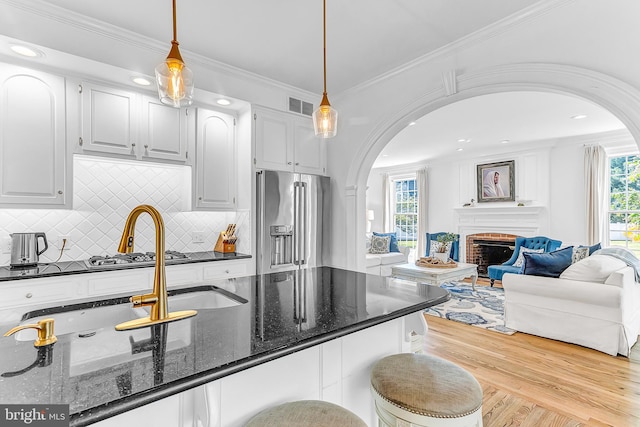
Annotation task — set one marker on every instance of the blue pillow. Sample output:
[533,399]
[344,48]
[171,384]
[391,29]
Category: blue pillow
[393,244]
[549,264]
[592,249]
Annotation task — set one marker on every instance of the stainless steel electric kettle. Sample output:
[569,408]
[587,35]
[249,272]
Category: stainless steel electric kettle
[25,249]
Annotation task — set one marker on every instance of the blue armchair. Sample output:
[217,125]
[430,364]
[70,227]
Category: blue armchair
[455,246]
[539,242]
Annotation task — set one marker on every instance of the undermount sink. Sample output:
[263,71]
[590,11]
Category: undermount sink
[98,344]
[86,319]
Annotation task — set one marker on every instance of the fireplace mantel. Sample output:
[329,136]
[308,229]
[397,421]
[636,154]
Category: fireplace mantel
[525,221]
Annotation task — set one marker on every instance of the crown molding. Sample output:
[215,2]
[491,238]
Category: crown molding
[139,41]
[527,14]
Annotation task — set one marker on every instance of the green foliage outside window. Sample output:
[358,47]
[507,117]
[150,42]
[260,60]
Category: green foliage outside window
[624,202]
[406,212]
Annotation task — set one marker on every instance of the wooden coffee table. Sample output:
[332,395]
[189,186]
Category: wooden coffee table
[436,276]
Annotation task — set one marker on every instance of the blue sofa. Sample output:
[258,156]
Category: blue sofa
[539,242]
[455,246]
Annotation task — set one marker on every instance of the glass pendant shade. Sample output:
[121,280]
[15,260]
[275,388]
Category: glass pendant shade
[325,119]
[174,80]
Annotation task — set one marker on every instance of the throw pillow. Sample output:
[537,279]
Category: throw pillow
[549,264]
[595,268]
[521,252]
[367,244]
[380,244]
[393,245]
[435,245]
[592,249]
[579,253]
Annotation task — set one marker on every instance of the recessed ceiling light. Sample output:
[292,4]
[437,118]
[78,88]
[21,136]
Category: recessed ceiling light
[464,140]
[505,141]
[385,155]
[579,116]
[460,149]
[223,101]
[412,123]
[142,81]
[26,51]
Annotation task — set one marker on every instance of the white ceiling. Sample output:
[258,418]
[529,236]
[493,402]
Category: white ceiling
[519,117]
[282,40]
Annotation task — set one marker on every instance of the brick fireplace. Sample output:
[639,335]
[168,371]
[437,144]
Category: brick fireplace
[487,233]
[487,249]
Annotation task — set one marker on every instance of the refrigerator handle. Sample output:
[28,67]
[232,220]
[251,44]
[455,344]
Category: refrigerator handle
[304,219]
[260,239]
[296,223]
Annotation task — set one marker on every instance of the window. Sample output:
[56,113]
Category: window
[624,206]
[405,211]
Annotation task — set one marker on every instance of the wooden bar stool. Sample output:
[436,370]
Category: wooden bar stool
[306,413]
[423,390]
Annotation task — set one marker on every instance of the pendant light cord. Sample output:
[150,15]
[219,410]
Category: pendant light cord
[175,30]
[324,41]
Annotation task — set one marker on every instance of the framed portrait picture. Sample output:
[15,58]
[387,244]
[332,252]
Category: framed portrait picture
[496,182]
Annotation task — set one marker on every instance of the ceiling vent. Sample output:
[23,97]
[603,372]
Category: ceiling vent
[300,107]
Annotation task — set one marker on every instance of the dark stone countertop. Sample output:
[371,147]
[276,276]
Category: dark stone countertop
[102,372]
[80,267]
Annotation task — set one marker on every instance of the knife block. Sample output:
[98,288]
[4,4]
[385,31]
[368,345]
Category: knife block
[222,246]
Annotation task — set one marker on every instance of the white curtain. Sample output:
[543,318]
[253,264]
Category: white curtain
[595,169]
[386,206]
[423,194]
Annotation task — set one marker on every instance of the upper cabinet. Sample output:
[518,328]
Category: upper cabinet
[33,159]
[129,124]
[215,165]
[163,132]
[286,142]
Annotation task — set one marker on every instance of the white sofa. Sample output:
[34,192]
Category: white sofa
[380,264]
[603,316]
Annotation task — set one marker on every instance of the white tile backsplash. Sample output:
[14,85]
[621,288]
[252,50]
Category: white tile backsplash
[105,191]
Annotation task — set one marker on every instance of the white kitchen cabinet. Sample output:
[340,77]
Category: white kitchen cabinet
[129,124]
[109,120]
[163,131]
[287,142]
[32,139]
[215,164]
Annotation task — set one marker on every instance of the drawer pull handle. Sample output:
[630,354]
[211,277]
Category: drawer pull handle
[226,271]
[29,295]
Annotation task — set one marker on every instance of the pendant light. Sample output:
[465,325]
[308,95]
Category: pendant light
[325,118]
[174,79]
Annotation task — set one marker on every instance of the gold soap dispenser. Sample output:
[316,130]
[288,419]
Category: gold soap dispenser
[45,332]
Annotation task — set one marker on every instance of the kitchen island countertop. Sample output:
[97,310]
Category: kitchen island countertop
[106,372]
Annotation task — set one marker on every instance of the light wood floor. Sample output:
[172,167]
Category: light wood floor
[530,381]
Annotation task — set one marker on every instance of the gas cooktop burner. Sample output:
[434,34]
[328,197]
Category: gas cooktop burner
[135,258]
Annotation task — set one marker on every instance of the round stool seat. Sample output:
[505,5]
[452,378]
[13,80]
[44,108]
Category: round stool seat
[306,413]
[426,385]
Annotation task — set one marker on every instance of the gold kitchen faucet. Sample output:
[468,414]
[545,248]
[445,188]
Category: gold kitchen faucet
[157,299]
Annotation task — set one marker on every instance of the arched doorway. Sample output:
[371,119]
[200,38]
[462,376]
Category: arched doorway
[622,100]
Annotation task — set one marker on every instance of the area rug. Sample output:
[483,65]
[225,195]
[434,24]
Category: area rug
[483,307]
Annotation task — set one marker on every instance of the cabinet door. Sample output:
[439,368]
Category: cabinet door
[163,131]
[215,171]
[273,140]
[108,120]
[32,138]
[309,150]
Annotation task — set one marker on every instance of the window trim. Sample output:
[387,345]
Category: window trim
[409,176]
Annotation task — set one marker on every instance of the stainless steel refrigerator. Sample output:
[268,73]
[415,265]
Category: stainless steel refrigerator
[293,221]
